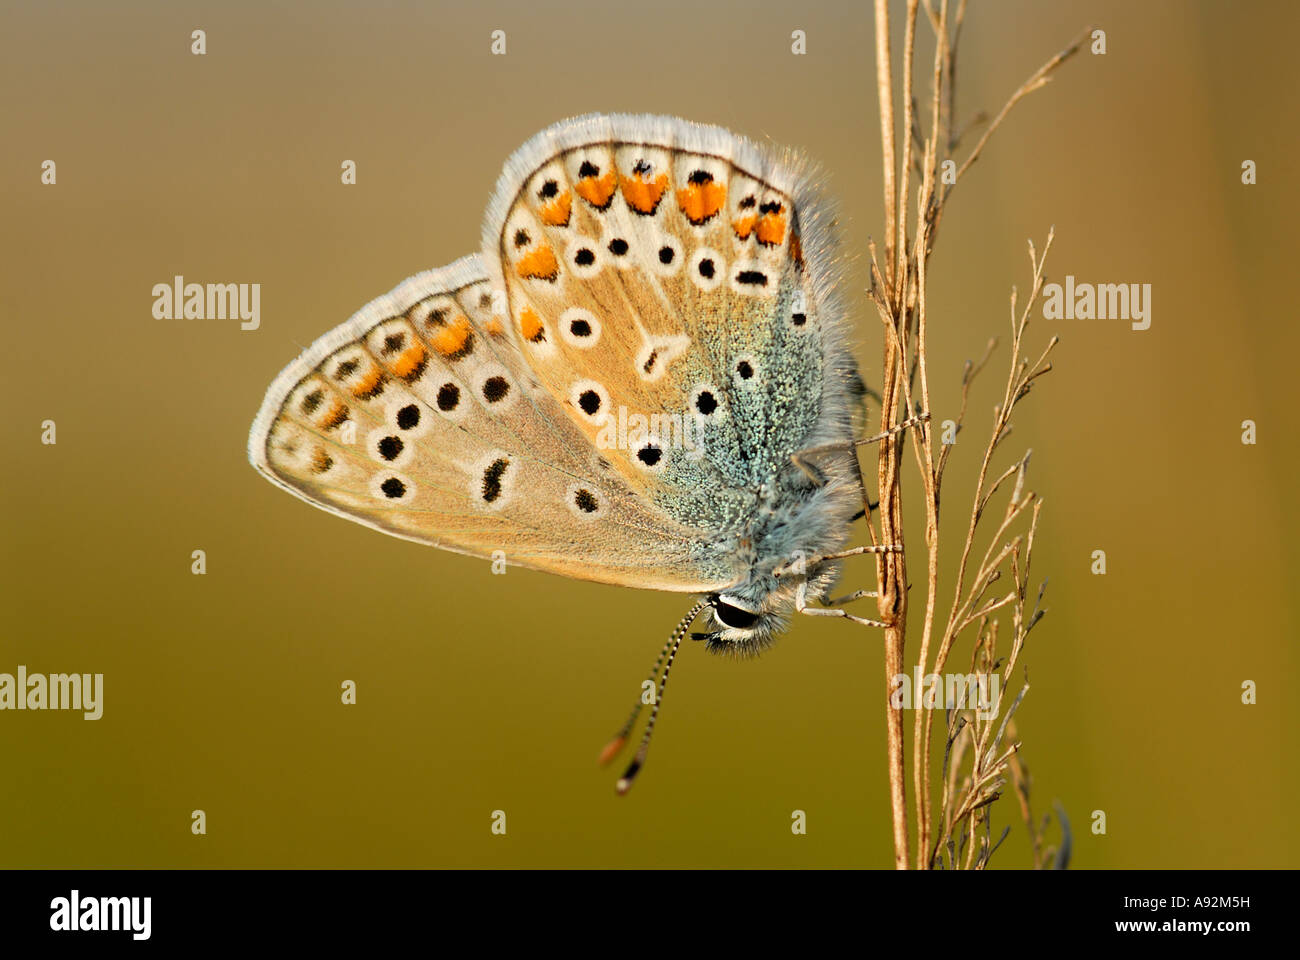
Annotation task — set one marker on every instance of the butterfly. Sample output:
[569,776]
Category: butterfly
[645,378]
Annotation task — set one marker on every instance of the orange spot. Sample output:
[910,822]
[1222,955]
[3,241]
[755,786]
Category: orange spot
[771,229]
[321,461]
[555,213]
[597,190]
[538,264]
[494,327]
[452,337]
[368,384]
[744,226]
[643,196]
[700,201]
[408,361]
[796,251]
[530,325]
[336,415]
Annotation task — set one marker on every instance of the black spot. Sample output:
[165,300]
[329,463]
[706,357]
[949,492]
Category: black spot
[409,416]
[437,318]
[744,369]
[393,488]
[588,169]
[580,328]
[448,397]
[495,388]
[321,462]
[752,278]
[770,207]
[706,402]
[485,300]
[641,168]
[700,177]
[585,501]
[589,401]
[730,616]
[799,319]
[312,401]
[584,257]
[618,246]
[650,361]
[666,255]
[649,455]
[492,480]
[393,342]
[706,268]
[747,203]
[521,238]
[549,189]
[390,447]
[346,369]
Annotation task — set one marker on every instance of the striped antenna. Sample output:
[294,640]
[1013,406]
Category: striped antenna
[614,746]
[665,658]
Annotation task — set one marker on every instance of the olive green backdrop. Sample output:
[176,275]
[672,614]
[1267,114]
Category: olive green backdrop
[478,692]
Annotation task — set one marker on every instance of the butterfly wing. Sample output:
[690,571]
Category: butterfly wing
[418,417]
[659,274]
[611,392]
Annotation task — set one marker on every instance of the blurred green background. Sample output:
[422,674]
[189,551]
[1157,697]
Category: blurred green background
[479,692]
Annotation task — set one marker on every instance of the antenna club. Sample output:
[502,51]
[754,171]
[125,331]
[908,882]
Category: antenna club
[611,749]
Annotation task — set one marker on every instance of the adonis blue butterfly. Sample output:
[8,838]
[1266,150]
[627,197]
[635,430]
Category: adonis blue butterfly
[644,378]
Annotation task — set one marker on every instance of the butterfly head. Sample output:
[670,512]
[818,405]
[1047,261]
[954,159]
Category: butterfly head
[746,620]
[738,625]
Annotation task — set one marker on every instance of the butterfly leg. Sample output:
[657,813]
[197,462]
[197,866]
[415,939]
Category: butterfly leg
[800,458]
[801,605]
[905,425]
[855,595]
[800,564]
[831,607]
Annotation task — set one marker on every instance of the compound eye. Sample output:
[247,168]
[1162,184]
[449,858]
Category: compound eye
[730,616]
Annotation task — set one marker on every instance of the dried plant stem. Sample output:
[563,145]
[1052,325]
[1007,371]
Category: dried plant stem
[891,569]
[899,292]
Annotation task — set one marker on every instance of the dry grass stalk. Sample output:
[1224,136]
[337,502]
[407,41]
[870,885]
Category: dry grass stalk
[899,291]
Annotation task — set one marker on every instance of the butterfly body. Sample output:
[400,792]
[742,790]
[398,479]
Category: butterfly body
[615,390]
